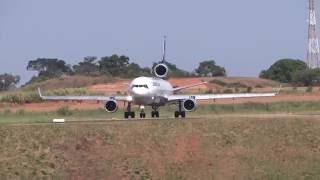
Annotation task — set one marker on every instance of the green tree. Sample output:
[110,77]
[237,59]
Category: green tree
[7,81]
[283,70]
[48,68]
[209,68]
[308,77]
[87,67]
[134,70]
[113,65]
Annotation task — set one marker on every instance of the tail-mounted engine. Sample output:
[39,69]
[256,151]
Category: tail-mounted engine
[189,105]
[111,106]
[161,70]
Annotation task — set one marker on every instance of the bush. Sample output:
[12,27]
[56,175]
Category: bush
[237,90]
[21,98]
[32,97]
[7,111]
[16,98]
[229,85]
[308,77]
[64,111]
[210,91]
[228,91]
[237,85]
[20,112]
[219,82]
[309,89]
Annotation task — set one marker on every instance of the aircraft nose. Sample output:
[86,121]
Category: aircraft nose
[139,91]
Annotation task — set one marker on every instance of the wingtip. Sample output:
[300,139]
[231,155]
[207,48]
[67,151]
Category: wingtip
[39,92]
[279,90]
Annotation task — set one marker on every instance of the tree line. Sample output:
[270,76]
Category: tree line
[290,71]
[113,66]
[295,72]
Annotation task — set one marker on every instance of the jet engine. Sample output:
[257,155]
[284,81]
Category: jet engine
[111,106]
[189,105]
[161,70]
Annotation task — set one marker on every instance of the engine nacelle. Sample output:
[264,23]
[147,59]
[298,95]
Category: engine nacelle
[189,105]
[111,106]
[161,70]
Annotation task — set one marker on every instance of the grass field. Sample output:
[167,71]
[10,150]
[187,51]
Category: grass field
[21,116]
[218,147]
[242,141]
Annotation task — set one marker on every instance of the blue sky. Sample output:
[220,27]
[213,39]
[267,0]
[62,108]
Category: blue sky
[244,36]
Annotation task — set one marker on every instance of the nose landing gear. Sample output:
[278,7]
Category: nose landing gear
[142,113]
[180,112]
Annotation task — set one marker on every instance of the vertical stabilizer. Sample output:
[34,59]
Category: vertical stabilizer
[161,69]
[164,50]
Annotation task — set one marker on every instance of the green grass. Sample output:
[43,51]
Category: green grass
[209,148]
[7,116]
[287,107]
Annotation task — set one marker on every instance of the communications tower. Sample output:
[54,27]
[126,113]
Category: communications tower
[313,41]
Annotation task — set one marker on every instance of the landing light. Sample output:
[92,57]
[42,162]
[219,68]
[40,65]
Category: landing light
[129,98]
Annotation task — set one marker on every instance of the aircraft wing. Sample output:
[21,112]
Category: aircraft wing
[189,86]
[219,96]
[84,98]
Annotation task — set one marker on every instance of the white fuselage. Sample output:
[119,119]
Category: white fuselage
[150,91]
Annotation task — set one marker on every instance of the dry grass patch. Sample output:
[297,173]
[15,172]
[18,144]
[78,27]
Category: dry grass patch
[216,148]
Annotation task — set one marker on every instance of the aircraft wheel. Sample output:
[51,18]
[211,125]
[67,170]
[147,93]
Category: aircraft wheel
[132,114]
[129,114]
[183,114]
[126,115]
[176,114]
[155,114]
[142,115]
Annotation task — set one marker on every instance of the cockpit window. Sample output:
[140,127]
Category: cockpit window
[140,86]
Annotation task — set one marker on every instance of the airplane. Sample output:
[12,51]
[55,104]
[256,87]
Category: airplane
[156,92]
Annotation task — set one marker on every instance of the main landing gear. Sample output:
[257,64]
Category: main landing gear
[129,113]
[155,112]
[180,112]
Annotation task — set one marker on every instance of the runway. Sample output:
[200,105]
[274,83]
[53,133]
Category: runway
[71,121]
